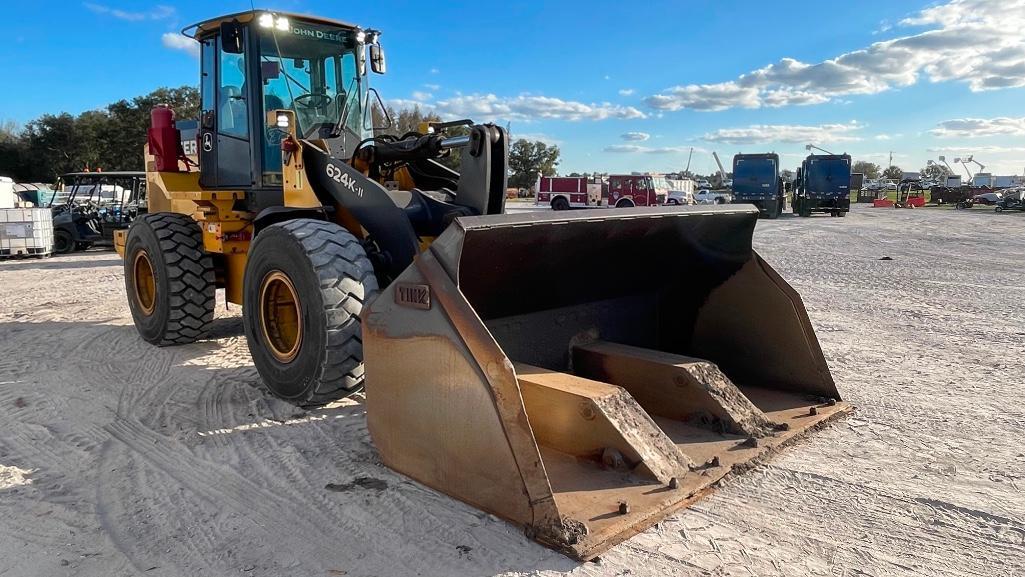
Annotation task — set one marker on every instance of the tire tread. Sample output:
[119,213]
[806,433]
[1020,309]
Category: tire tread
[347,282]
[190,271]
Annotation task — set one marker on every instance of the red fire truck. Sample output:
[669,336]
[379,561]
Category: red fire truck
[627,190]
[563,193]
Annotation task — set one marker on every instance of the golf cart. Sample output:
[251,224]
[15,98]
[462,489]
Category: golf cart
[90,206]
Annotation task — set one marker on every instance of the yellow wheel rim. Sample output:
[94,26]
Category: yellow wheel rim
[281,316]
[145,283]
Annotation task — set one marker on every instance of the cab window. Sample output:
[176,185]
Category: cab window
[233,117]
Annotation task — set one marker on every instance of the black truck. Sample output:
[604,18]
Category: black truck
[756,181]
[823,184]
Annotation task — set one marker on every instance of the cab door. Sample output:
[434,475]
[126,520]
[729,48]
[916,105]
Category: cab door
[225,145]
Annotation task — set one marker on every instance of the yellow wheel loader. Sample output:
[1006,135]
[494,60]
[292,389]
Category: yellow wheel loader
[581,374]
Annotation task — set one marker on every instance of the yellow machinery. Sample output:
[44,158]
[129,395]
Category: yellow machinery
[581,374]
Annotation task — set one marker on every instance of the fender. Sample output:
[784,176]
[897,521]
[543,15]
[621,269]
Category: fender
[275,214]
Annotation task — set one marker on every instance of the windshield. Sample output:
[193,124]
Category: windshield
[312,70]
[831,175]
[754,175]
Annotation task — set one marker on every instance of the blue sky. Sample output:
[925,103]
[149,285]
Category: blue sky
[618,86]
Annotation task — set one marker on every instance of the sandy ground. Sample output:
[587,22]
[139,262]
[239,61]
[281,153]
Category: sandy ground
[117,458]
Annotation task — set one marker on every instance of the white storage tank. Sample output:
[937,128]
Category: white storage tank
[7,196]
[26,232]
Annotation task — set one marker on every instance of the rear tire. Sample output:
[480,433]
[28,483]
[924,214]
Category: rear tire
[560,203]
[305,286]
[624,204]
[673,202]
[842,213]
[63,243]
[169,279]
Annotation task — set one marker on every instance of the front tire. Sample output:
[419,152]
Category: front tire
[305,285]
[169,279]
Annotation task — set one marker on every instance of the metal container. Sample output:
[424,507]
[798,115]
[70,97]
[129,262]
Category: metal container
[26,232]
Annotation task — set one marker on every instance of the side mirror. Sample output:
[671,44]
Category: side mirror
[377,61]
[231,37]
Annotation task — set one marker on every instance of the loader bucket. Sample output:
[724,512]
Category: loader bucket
[584,375]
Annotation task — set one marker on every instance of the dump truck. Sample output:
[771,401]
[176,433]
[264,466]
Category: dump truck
[756,181]
[823,184]
[662,355]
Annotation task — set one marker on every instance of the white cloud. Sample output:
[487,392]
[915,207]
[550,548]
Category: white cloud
[421,96]
[635,136]
[432,87]
[634,148]
[977,42]
[526,107]
[176,41]
[400,103]
[158,12]
[979,127]
[976,149]
[435,71]
[626,91]
[545,138]
[789,133]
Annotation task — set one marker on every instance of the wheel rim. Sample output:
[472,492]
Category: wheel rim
[145,283]
[281,316]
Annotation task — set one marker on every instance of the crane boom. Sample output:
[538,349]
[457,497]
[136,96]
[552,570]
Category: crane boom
[964,163]
[943,159]
[689,156]
[722,171]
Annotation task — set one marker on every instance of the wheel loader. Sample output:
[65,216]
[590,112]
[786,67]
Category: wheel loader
[582,374]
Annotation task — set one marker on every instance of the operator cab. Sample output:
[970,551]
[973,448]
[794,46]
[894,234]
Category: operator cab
[255,62]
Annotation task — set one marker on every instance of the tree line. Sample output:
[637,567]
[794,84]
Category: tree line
[108,139]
